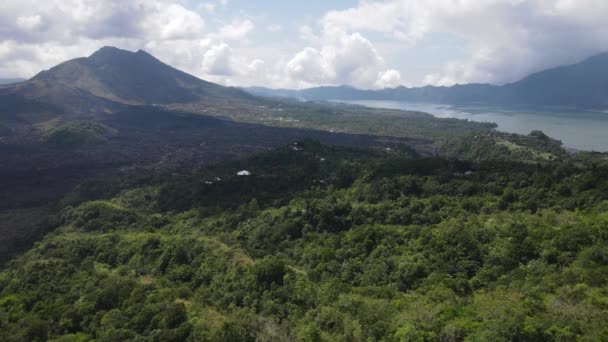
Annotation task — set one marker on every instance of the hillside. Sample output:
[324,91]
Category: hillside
[582,85]
[111,78]
[324,244]
[50,147]
[84,123]
[141,203]
[113,81]
[120,110]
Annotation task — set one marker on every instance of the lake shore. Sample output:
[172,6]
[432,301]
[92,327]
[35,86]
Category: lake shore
[579,130]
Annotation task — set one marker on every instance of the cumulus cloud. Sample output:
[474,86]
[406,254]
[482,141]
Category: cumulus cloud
[38,29]
[508,38]
[18,59]
[341,58]
[257,66]
[503,40]
[389,79]
[307,66]
[218,60]
[30,22]
[67,20]
[173,21]
[308,35]
[37,35]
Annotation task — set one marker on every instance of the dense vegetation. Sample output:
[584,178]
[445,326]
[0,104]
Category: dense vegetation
[536,146]
[504,238]
[325,243]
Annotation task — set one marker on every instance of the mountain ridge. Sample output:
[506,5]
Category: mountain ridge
[583,84]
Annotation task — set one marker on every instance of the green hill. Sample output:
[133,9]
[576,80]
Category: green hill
[324,244]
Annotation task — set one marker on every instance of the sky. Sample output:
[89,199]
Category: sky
[298,44]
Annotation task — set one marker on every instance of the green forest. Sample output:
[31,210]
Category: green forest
[509,242]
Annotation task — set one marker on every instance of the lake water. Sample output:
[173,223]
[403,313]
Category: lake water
[582,130]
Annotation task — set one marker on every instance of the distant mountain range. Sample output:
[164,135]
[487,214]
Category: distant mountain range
[580,85]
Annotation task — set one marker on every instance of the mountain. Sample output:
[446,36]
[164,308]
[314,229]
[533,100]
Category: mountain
[580,85]
[112,77]
[4,81]
[92,117]
[118,110]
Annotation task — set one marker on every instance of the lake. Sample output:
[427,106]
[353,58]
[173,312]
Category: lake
[578,129]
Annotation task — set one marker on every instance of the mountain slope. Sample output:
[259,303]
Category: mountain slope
[112,77]
[580,85]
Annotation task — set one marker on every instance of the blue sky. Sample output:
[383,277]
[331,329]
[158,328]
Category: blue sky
[297,44]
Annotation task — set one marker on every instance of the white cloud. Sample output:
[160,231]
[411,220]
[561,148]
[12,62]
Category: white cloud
[29,23]
[218,60]
[355,60]
[237,30]
[174,22]
[308,35]
[25,58]
[309,66]
[38,35]
[257,66]
[389,79]
[66,21]
[508,38]
[341,58]
[504,40]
